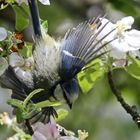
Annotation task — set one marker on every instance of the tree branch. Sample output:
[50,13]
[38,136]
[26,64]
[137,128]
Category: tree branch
[129,109]
[28,125]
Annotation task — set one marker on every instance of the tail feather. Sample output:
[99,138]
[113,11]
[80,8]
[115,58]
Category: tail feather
[44,115]
[35,17]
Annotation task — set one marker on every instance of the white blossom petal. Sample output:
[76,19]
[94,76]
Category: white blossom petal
[135,54]
[15,59]
[110,26]
[122,45]
[45,2]
[117,50]
[117,54]
[133,38]
[47,131]
[5,119]
[21,1]
[68,138]
[125,41]
[127,21]
[3,33]
[120,63]
[38,136]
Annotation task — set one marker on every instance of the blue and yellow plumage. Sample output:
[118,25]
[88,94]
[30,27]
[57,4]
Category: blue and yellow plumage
[55,64]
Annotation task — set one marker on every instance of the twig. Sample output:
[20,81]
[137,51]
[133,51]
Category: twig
[28,125]
[129,109]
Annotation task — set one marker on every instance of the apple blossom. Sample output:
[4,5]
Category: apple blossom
[125,38]
[45,2]
[3,33]
[135,54]
[22,66]
[5,119]
[46,132]
[53,131]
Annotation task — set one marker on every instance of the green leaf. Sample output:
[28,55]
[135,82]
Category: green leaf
[27,136]
[16,103]
[44,24]
[62,113]
[19,117]
[125,6]
[134,68]
[25,8]
[29,49]
[9,1]
[31,95]
[47,103]
[23,51]
[26,52]
[90,74]
[3,6]
[29,110]
[22,20]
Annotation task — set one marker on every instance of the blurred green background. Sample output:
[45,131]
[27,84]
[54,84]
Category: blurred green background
[97,112]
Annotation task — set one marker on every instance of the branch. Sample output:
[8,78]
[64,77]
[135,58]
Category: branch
[129,109]
[29,127]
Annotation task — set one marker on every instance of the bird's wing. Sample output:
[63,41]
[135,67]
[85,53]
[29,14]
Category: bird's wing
[79,47]
[16,78]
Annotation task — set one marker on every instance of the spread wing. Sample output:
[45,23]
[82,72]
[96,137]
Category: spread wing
[79,47]
[10,80]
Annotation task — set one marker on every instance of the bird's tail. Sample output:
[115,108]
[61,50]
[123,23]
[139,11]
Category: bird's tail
[35,17]
[20,91]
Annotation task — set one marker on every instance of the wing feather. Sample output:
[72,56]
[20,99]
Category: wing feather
[80,46]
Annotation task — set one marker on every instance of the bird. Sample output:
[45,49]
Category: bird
[55,65]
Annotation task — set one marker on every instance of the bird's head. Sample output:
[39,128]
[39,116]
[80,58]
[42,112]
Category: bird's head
[70,91]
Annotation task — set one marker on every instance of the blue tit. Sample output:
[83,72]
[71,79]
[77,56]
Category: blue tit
[55,64]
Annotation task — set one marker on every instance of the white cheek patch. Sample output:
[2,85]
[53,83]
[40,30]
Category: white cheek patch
[58,93]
